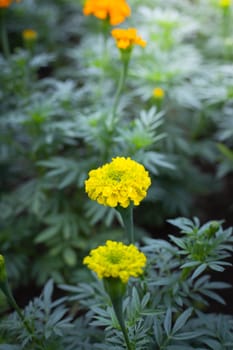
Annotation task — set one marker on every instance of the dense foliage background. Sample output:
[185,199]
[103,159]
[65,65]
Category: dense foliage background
[56,98]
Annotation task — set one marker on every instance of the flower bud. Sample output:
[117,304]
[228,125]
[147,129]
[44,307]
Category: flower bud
[114,287]
[29,38]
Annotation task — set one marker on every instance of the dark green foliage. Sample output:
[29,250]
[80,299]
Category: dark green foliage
[56,124]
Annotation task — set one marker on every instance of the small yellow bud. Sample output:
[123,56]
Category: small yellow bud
[158,93]
[29,35]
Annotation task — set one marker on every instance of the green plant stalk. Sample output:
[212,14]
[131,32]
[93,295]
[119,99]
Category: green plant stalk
[4,286]
[127,217]
[226,30]
[226,20]
[4,36]
[118,309]
[186,272]
[121,83]
[116,290]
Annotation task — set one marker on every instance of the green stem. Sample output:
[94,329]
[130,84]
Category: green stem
[116,290]
[117,306]
[185,273]
[121,83]
[6,290]
[127,217]
[4,36]
[226,22]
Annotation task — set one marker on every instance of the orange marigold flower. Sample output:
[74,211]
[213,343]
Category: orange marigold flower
[114,10]
[6,3]
[126,38]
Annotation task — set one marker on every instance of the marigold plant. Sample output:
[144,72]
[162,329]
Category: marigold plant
[115,11]
[116,260]
[118,183]
[126,38]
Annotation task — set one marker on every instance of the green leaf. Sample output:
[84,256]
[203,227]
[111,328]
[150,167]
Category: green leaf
[181,320]
[189,335]
[199,270]
[70,256]
[227,152]
[47,234]
[168,322]
[178,241]
[158,332]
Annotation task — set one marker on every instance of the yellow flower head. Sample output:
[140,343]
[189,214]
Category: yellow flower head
[114,10]
[158,93]
[225,3]
[126,38]
[116,260]
[6,3]
[29,34]
[118,183]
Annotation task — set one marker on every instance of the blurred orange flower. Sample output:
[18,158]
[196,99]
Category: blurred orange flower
[6,3]
[114,10]
[126,38]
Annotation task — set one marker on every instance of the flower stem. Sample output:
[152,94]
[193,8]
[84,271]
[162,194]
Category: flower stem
[121,83]
[116,290]
[117,306]
[4,36]
[226,22]
[4,286]
[127,217]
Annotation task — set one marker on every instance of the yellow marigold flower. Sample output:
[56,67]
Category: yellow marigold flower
[158,93]
[116,260]
[118,183]
[6,3]
[126,38]
[225,3]
[29,34]
[114,10]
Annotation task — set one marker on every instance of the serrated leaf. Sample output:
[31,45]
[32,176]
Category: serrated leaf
[190,264]
[182,223]
[168,322]
[68,179]
[227,152]
[178,241]
[213,344]
[47,234]
[214,296]
[216,267]
[70,256]
[181,320]
[199,270]
[188,335]
[47,294]
[158,333]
